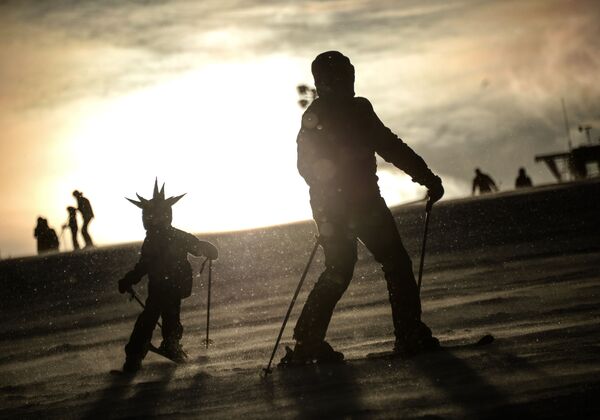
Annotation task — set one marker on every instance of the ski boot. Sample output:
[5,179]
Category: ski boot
[304,354]
[132,365]
[173,351]
[418,340]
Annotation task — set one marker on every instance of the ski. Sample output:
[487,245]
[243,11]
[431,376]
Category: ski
[483,341]
[122,374]
[152,348]
[386,355]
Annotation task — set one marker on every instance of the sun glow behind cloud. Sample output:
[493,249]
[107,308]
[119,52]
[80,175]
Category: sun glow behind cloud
[224,134]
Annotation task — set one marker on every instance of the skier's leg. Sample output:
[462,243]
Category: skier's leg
[340,256]
[172,330]
[74,237]
[85,233]
[378,231]
[137,347]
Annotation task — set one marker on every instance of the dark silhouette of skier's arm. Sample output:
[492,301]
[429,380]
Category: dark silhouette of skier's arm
[391,148]
[490,182]
[202,248]
[493,185]
[307,150]
[474,186]
[134,276]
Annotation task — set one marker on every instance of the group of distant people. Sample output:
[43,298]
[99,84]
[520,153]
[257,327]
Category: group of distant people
[47,240]
[485,184]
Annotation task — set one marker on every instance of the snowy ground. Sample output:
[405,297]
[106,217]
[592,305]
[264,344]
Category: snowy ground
[522,266]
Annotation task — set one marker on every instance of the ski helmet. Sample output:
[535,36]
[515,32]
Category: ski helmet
[334,74]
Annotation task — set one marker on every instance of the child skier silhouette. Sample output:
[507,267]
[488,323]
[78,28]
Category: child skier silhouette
[72,225]
[164,259]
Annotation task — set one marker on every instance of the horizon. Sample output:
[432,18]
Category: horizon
[104,99]
[540,188]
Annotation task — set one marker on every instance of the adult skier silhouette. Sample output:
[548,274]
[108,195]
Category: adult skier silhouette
[483,182]
[164,259]
[337,143]
[85,208]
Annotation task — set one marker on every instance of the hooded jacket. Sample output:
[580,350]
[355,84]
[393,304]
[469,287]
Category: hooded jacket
[336,152]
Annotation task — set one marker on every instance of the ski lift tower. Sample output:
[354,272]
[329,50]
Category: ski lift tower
[576,163]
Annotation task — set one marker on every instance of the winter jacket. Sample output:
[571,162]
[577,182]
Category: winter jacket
[84,206]
[164,259]
[336,152]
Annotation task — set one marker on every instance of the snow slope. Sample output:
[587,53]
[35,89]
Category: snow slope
[521,265]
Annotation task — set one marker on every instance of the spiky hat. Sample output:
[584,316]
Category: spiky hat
[158,208]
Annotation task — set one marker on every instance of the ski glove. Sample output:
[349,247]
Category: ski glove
[125,283]
[211,251]
[435,189]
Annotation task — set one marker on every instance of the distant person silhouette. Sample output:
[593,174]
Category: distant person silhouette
[483,182]
[337,142]
[164,259]
[85,208]
[523,180]
[40,233]
[72,225]
[46,236]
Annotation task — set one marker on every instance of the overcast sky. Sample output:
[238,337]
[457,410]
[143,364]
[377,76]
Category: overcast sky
[103,96]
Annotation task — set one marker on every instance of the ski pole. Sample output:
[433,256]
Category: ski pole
[427,213]
[134,296]
[208,340]
[267,370]
[60,236]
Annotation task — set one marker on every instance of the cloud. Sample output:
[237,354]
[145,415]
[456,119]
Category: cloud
[134,43]
[446,75]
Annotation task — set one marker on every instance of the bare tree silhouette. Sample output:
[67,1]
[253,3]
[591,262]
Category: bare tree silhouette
[307,95]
